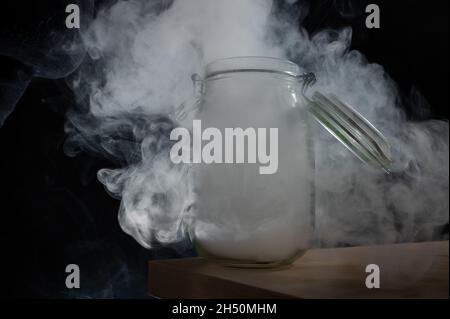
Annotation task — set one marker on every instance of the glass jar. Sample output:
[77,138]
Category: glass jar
[244,217]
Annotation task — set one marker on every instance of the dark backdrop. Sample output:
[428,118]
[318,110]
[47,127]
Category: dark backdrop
[54,211]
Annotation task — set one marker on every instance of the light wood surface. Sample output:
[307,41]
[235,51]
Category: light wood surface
[418,270]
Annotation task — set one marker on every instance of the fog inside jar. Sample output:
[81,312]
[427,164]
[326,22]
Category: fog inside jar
[241,213]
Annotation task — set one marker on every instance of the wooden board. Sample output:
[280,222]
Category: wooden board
[418,270]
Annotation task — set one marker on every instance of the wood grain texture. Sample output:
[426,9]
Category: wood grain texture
[418,270]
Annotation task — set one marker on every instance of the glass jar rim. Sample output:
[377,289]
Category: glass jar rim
[252,64]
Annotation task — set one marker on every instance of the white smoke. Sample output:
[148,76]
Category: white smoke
[142,56]
[356,205]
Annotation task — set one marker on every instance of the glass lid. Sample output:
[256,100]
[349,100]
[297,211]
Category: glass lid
[351,129]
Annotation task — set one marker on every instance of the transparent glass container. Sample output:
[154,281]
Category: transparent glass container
[247,219]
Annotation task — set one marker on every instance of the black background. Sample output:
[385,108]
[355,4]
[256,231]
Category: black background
[54,211]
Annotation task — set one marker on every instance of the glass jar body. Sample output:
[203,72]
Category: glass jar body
[243,217]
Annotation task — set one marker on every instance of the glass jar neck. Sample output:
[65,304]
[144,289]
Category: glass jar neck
[252,64]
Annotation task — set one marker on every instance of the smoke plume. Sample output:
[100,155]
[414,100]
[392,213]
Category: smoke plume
[141,58]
